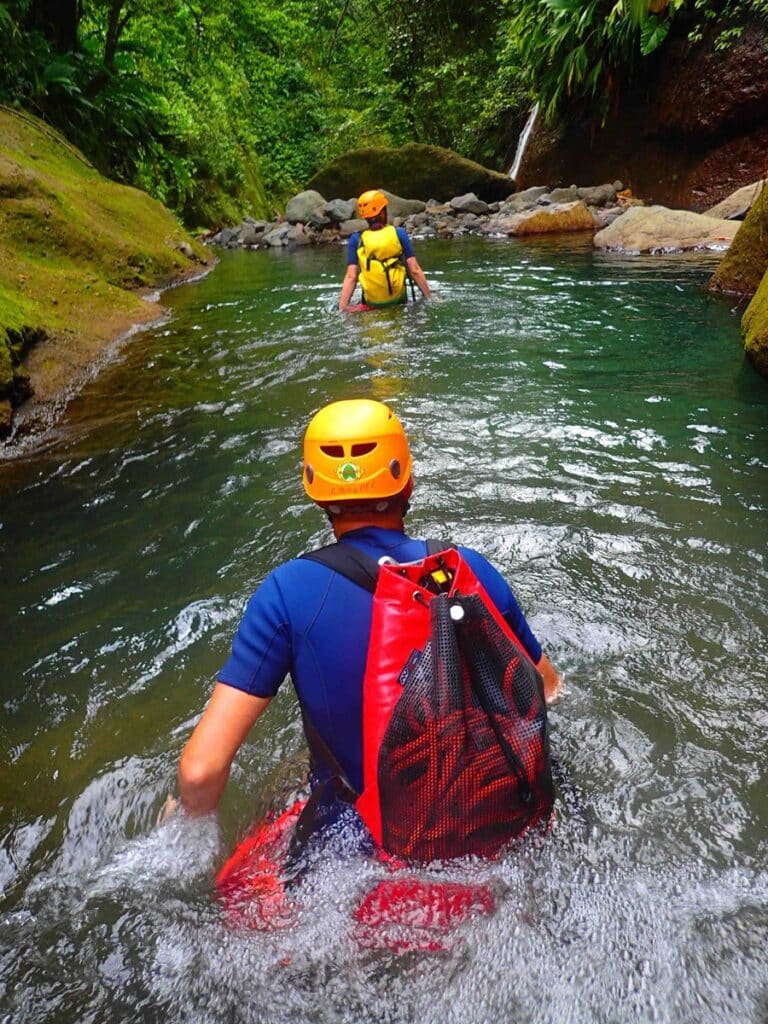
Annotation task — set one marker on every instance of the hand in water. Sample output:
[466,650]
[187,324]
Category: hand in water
[167,810]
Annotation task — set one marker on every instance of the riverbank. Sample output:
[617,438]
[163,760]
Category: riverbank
[82,263]
[310,219]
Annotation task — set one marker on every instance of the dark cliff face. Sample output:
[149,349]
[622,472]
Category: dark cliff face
[692,133]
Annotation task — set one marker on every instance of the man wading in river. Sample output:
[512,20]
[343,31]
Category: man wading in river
[312,618]
[381,257]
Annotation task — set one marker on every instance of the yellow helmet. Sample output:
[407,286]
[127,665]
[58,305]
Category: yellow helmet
[371,203]
[355,450]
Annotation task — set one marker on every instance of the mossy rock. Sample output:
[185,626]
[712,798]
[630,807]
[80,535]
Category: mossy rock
[74,249]
[413,171]
[6,368]
[755,326]
[743,266]
[15,385]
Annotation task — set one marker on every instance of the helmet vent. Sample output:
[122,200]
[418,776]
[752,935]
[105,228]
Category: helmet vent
[336,451]
[363,449]
[310,473]
[394,468]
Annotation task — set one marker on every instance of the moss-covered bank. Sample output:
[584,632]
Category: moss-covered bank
[744,272]
[743,266]
[755,327]
[76,253]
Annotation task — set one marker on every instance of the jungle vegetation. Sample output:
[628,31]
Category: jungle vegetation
[221,107]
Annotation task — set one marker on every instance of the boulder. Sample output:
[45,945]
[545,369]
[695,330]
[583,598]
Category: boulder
[418,220]
[349,227]
[469,203]
[656,229]
[339,210]
[435,206]
[741,270]
[411,171]
[738,204]
[300,207]
[561,195]
[227,237]
[252,233]
[544,220]
[399,207]
[317,219]
[605,215]
[524,200]
[277,236]
[755,326]
[600,195]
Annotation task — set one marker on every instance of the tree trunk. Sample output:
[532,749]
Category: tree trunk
[57,20]
[115,25]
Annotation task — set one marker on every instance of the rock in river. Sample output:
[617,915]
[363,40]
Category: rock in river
[657,229]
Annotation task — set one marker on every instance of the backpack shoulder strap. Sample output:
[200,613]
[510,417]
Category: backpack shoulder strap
[355,565]
[434,546]
[348,561]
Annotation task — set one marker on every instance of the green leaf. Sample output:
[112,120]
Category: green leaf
[653,34]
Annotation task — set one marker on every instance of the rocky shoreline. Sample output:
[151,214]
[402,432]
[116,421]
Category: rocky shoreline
[617,220]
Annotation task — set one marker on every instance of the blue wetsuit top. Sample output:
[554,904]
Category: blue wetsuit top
[309,621]
[354,244]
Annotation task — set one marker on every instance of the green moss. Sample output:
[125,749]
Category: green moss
[214,206]
[6,368]
[755,326]
[743,266]
[14,380]
[414,172]
[74,245]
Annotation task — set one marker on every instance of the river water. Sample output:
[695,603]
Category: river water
[586,421]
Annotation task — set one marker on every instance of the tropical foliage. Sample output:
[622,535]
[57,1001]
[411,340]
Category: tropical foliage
[220,107]
[584,51]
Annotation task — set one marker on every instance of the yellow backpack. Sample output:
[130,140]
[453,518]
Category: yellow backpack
[382,270]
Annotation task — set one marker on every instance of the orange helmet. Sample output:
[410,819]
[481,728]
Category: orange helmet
[355,450]
[371,203]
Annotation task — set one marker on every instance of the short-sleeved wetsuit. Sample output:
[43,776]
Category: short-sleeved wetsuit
[309,621]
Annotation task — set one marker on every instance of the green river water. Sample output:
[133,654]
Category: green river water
[586,421]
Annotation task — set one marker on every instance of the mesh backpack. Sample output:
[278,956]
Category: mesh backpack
[455,744]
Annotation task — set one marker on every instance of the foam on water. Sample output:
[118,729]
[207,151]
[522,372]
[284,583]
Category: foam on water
[577,933]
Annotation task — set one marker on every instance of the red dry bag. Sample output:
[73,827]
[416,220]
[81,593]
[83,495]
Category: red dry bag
[455,743]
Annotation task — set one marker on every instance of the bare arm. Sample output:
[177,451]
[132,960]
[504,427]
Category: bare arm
[552,680]
[207,757]
[348,285]
[417,274]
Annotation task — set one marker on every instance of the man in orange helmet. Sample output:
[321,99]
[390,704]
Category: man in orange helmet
[312,622]
[381,258]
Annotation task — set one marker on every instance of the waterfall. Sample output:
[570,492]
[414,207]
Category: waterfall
[522,142]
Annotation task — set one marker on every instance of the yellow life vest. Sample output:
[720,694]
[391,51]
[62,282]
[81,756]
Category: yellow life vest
[382,270]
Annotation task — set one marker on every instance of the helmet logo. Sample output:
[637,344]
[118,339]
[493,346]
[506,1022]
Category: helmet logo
[349,472]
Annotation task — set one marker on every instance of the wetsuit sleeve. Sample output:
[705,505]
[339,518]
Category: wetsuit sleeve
[501,595]
[405,241]
[352,246]
[261,649]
